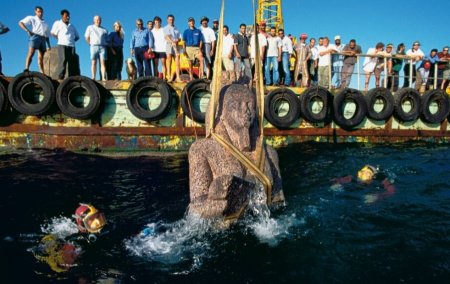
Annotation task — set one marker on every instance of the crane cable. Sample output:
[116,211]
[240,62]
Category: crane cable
[258,168]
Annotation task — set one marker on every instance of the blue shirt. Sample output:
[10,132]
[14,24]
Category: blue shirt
[193,37]
[141,38]
[115,39]
[172,31]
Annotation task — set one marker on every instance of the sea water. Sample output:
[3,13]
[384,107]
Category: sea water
[325,233]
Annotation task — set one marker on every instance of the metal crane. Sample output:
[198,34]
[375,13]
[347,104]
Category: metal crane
[270,12]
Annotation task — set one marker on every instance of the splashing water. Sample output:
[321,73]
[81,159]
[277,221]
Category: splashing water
[61,227]
[183,241]
[267,229]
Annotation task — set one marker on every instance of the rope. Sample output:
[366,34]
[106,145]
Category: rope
[190,110]
[247,163]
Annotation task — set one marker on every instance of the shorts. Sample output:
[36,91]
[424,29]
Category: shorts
[171,50]
[98,52]
[207,52]
[447,74]
[192,52]
[160,55]
[37,42]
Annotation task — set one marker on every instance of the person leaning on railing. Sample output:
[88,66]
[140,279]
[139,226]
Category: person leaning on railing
[444,58]
[416,55]
[397,63]
[350,52]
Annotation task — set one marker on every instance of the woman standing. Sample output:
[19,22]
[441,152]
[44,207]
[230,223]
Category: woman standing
[116,52]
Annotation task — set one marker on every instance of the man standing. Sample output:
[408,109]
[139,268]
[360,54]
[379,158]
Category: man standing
[312,62]
[241,44]
[172,35]
[139,45]
[416,55]
[262,42]
[209,45]
[273,57]
[192,45]
[325,51]
[444,58]
[227,54]
[351,50]
[3,30]
[67,35]
[286,53]
[38,37]
[338,61]
[303,56]
[97,37]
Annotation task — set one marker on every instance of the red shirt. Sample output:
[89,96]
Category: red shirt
[441,55]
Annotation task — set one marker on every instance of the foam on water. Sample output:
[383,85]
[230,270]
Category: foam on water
[61,227]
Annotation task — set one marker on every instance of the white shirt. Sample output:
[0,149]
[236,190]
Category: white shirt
[314,53]
[208,34]
[324,60]
[227,45]
[370,62]
[38,26]
[98,35]
[67,34]
[262,42]
[412,52]
[160,40]
[273,43]
[287,45]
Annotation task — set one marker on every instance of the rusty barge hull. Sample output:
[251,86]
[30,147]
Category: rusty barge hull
[115,129]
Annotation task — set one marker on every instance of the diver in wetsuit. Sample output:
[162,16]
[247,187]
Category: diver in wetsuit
[62,253]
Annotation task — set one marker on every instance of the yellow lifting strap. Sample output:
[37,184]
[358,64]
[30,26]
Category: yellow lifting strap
[258,169]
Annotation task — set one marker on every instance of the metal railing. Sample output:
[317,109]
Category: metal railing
[384,76]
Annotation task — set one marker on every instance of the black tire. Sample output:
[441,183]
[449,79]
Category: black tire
[137,89]
[440,98]
[311,95]
[3,98]
[384,95]
[187,96]
[403,95]
[340,99]
[22,93]
[271,107]
[73,86]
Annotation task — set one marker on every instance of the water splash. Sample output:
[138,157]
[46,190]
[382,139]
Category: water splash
[61,227]
[184,241]
[267,229]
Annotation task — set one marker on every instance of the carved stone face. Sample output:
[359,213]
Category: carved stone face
[240,106]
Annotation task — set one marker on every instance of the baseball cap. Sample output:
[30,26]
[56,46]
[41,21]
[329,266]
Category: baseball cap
[204,19]
[389,45]
[416,43]
[303,36]
[191,19]
[338,37]
[215,21]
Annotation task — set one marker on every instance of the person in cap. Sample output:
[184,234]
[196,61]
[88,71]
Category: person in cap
[433,58]
[351,51]
[366,177]
[337,60]
[209,44]
[302,57]
[192,46]
[415,55]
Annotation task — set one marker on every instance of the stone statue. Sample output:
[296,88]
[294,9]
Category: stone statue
[219,184]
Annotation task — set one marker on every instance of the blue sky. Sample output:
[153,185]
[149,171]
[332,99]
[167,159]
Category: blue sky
[366,21]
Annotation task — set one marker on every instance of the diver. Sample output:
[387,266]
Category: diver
[61,253]
[366,176]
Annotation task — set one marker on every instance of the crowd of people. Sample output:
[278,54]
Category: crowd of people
[285,60]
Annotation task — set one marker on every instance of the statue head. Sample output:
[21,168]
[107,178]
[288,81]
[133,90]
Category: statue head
[237,110]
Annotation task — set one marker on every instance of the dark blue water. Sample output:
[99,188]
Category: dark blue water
[324,234]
